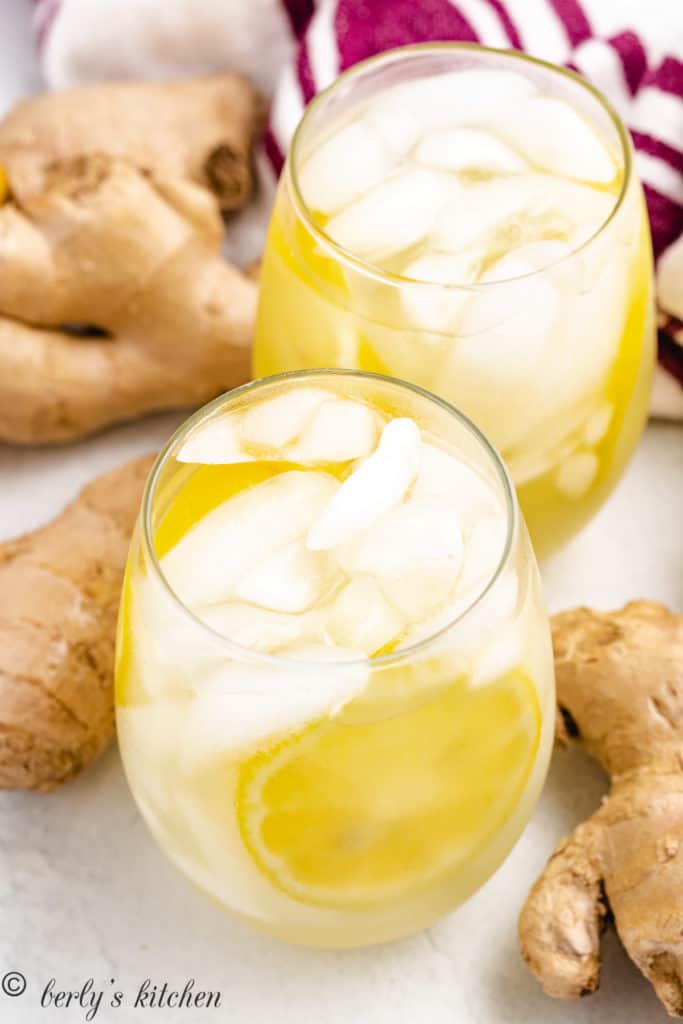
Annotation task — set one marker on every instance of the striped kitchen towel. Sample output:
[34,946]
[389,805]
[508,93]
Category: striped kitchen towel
[630,49]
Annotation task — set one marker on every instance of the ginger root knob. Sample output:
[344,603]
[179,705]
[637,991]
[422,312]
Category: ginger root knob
[115,298]
[620,687]
[59,597]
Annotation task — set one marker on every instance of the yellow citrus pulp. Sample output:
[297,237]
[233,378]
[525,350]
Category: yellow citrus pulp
[349,815]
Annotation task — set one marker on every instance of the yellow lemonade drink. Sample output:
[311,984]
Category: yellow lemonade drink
[334,679]
[469,220]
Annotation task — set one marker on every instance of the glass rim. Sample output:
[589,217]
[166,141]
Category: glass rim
[396,55]
[402,654]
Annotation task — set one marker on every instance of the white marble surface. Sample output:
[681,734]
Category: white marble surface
[84,892]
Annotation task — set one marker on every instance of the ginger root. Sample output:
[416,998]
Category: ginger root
[114,301]
[620,693]
[114,297]
[202,130]
[59,597]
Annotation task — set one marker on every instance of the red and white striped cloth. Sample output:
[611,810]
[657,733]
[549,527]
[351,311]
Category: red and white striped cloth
[630,49]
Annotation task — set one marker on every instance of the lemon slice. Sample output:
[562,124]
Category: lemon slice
[349,815]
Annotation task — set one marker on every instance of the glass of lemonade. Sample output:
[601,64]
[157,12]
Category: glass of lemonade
[335,694]
[469,220]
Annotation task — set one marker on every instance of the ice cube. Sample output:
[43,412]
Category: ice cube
[486,618]
[475,618]
[476,94]
[344,166]
[215,442]
[340,430]
[470,97]
[419,593]
[592,319]
[467,149]
[575,476]
[348,666]
[152,733]
[506,212]
[444,268]
[206,563]
[398,129]
[169,647]
[375,487]
[479,209]
[536,461]
[291,579]
[433,624]
[502,654]
[394,215]
[493,367]
[551,441]
[241,705]
[362,618]
[255,628]
[556,138]
[275,422]
[484,546]
[598,424]
[579,235]
[222,722]
[409,353]
[415,551]
[447,478]
[583,208]
[532,255]
[328,654]
[421,534]
[478,612]
[437,308]
[152,730]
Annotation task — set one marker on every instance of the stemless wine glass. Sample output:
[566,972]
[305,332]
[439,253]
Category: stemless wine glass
[332,736]
[470,220]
